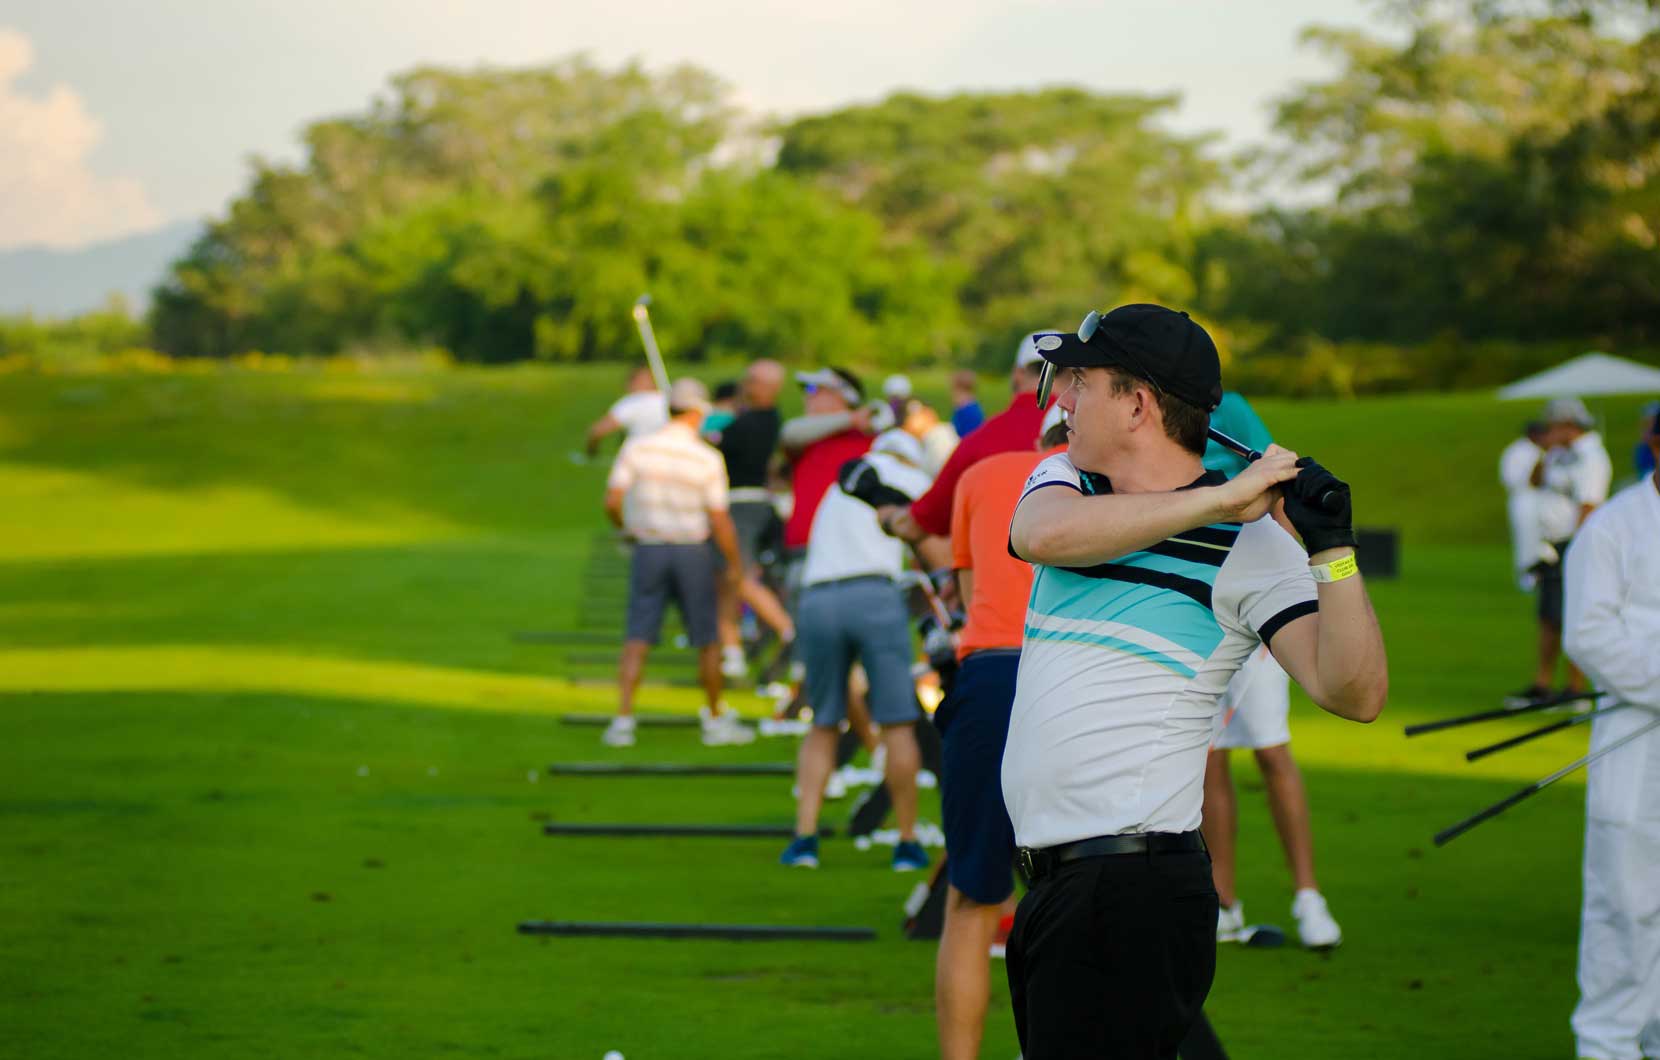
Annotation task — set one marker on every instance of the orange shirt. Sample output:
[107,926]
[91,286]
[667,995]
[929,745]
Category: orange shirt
[980,513]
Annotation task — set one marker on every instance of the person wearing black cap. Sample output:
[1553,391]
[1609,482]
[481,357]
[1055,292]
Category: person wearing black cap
[1153,581]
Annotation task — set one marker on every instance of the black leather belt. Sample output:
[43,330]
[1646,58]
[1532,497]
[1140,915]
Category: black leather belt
[1040,863]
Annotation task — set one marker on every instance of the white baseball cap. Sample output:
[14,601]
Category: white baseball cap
[688,394]
[1568,410]
[1055,415]
[1027,353]
[896,386]
[837,379]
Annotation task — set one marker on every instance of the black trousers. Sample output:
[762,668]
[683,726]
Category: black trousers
[1111,957]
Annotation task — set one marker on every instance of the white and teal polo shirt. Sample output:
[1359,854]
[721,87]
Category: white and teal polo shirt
[1122,667]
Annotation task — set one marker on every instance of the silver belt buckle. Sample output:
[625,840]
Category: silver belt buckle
[1028,863]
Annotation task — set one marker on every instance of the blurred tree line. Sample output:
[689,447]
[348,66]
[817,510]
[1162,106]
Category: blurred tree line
[1486,180]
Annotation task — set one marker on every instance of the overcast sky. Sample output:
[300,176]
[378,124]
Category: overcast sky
[117,116]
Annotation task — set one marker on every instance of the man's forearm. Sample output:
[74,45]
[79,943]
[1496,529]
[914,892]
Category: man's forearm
[1072,530]
[803,431]
[1353,669]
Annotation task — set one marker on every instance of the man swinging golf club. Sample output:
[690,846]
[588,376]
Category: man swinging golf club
[1153,581]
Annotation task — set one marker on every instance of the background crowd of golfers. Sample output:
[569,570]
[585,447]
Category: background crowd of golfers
[1132,601]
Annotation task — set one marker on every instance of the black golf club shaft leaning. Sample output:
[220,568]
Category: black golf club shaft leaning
[1447,835]
[1493,715]
[1534,734]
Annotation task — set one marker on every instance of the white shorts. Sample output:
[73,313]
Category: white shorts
[1259,699]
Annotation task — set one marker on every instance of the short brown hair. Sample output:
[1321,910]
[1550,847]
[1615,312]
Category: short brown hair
[1186,425]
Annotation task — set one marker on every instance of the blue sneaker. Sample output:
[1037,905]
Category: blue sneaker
[802,853]
[908,856]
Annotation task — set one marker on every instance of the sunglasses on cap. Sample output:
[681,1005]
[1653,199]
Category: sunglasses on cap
[1086,332]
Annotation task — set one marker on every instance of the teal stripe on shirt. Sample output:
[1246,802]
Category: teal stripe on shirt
[1163,613]
[1114,644]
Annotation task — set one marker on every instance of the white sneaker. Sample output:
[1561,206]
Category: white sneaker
[1315,925]
[733,666]
[620,733]
[724,728]
[1230,922]
[836,786]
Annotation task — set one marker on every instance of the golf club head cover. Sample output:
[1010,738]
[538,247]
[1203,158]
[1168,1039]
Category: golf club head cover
[1317,503]
[858,478]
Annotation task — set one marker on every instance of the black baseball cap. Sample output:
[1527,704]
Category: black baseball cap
[1166,347]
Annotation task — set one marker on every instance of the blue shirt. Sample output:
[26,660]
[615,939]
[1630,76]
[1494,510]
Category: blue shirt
[966,418]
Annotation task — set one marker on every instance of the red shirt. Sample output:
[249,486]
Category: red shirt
[813,474]
[1013,429]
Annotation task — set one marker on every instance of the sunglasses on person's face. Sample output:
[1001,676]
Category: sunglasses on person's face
[1086,331]
[1046,376]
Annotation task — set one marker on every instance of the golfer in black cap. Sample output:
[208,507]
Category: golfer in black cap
[1153,581]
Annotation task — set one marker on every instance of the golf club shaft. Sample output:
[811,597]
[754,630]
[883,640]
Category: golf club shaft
[1544,730]
[1502,712]
[642,320]
[1249,455]
[1447,835]
[1234,445]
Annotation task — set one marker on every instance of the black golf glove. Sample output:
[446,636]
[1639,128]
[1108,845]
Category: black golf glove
[859,479]
[1317,503]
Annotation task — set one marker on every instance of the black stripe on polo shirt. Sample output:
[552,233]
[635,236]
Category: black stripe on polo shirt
[1218,534]
[1118,572]
[1175,548]
[1284,618]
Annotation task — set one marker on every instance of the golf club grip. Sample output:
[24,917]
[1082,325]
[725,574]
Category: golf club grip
[1447,835]
[1250,456]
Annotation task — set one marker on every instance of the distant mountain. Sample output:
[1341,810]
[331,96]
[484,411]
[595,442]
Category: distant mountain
[57,283]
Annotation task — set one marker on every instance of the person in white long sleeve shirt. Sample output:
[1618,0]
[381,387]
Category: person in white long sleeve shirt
[1520,471]
[1611,627]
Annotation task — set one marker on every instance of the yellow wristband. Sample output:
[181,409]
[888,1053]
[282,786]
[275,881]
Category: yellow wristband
[1337,569]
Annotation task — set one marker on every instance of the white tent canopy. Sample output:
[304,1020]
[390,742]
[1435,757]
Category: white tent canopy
[1587,376]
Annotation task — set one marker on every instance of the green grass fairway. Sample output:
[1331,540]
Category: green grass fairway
[272,767]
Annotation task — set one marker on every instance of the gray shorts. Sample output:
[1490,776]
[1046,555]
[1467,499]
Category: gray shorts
[754,521]
[684,572]
[859,619]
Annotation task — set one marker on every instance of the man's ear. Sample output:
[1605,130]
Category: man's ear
[1143,411]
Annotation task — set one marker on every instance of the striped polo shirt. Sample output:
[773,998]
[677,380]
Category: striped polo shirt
[674,480]
[1123,665]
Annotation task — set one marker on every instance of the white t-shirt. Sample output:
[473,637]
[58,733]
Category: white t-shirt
[1575,474]
[674,480]
[1122,667]
[846,541]
[640,412]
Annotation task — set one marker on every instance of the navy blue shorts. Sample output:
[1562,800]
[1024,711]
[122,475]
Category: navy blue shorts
[979,838]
